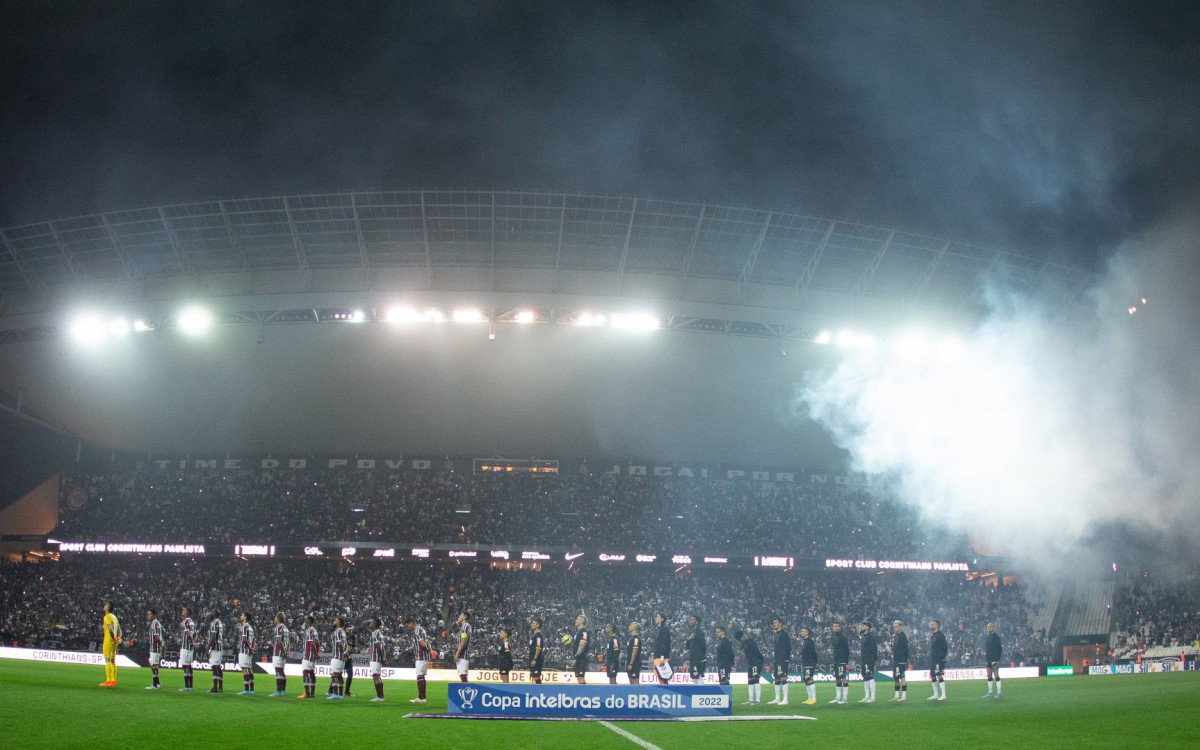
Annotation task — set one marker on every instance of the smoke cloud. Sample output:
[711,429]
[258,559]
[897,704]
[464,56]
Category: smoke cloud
[1052,428]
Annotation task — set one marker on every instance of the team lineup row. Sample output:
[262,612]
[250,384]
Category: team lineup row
[616,657]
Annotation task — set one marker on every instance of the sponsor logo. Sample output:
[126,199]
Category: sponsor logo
[467,696]
[572,555]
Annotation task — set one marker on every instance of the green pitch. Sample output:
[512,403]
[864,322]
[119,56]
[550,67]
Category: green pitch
[53,705]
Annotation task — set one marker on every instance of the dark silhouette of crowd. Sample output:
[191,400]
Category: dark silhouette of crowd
[666,514]
[1151,611]
[57,604]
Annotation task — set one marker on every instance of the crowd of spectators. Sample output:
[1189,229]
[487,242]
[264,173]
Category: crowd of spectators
[665,514]
[57,604]
[1150,611]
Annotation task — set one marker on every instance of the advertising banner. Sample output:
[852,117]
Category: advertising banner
[974,673]
[620,701]
[63,657]
[1117,669]
[1059,670]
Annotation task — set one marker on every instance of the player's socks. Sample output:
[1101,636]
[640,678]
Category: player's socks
[349,679]
[421,687]
[378,686]
[462,678]
[904,692]
[997,688]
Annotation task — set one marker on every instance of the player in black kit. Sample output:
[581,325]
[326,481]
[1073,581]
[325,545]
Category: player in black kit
[938,649]
[505,653]
[633,665]
[782,661]
[697,650]
[899,662]
[724,656]
[612,653]
[537,657]
[841,665]
[992,651]
[662,649]
[868,659]
[808,663]
[754,666]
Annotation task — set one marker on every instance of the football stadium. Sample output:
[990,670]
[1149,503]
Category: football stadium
[599,375]
[432,457]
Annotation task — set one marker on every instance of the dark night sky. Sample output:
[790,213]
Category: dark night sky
[1054,129]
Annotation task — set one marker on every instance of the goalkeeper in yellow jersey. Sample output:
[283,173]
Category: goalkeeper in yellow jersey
[112,637]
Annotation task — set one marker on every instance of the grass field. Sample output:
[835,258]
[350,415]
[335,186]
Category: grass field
[53,705]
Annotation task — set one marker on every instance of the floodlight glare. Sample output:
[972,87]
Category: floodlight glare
[401,315]
[639,321]
[525,316]
[471,315]
[357,316]
[86,328]
[118,327]
[433,315]
[590,319]
[824,337]
[195,321]
[141,326]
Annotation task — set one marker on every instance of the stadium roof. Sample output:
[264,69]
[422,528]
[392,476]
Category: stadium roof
[435,229]
[764,282]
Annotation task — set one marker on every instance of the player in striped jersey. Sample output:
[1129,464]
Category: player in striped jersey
[216,651]
[154,635]
[187,647]
[422,652]
[279,647]
[337,663]
[461,657]
[246,653]
[375,664]
[308,663]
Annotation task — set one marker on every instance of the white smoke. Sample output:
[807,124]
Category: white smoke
[1048,422]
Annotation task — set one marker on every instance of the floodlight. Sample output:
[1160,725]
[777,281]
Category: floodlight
[824,337]
[590,319]
[118,327]
[86,328]
[357,316]
[142,326]
[401,315]
[640,321]
[470,315]
[195,321]
[525,316]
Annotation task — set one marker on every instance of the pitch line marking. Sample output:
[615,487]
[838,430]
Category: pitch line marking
[631,736]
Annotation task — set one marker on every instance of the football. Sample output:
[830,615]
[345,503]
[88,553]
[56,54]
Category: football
[567,640]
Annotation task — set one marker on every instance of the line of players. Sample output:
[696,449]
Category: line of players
[616,659]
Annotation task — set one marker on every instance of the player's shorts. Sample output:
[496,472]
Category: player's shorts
[696,671]
[840,671]
[186,658]
[937,669]
[246,661]
[898,671]
[216,658]
[809,674]
[723,675]
[110,650]
[422,667]
[612,667]
[663,668]
[868,671]
[337,666]
[278,661]
[375,667]
[994,666]
[753,674]
[464,666]
[781,672]
[308,664]
[155,658]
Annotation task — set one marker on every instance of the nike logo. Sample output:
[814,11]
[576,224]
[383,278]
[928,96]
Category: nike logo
[573,555]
